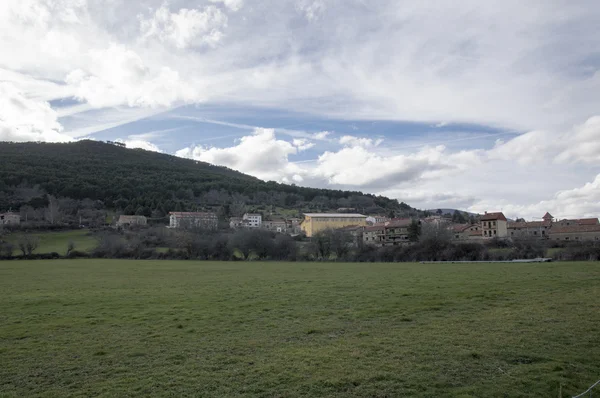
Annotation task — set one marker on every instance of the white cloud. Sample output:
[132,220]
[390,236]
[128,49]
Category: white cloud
[572,203]
[350,140]
[131,142]
[117,75]
[25,119]
[260,154]
[187,27]
[321,135]
[233,5]
[302,144]
[312,9]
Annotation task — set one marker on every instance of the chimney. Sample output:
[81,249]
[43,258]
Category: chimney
[486,212]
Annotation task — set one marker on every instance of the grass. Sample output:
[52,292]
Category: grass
[115,328]
[58,241]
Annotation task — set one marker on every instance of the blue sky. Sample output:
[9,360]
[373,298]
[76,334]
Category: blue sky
[463,104]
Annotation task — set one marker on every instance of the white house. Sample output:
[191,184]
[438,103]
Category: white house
[252,220]
[181,219]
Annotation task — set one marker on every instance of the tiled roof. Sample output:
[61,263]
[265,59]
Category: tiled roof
[547,216]
[398,223]
[587,221]
[374,228]
[493,216]
[557,229]
[528,224]
[460,227]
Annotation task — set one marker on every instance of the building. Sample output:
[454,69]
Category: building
[374,235]
[205,220]
[131,220]
[529,229]
[590,232]
[494,225]
[10,218]
[465,232]
[317,222]
[377,219]
[578,221]
[391,233]
[396,231]
[252,220]
[277,225]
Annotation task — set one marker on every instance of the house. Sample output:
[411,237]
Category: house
[391,233]
[396,231]
[276,225]
[317,222]
[584,232]
[131,220]
[374,235]
[10,218]
[529,229]
[466,232]
[252,220]
[180,219]
[494,225]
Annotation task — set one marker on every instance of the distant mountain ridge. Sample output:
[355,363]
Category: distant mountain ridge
[136,181]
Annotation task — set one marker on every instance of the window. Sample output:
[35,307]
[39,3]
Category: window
[535,232]
[494,223]
[512,233]
[494,232]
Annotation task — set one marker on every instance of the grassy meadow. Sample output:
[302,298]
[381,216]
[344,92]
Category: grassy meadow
[114,328]
[58,241]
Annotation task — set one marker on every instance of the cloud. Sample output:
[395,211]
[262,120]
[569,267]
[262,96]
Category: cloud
[349,140]
[265,156]
[578,202]
[321,135]
[302,144]
[26,119]
[260,154]
[117,76]
[140,144]
[233,5]
[580,143]
[186,27]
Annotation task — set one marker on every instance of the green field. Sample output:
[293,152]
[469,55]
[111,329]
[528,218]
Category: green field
[115,328]
[58,241]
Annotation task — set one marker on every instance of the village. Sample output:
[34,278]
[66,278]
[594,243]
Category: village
[378,230]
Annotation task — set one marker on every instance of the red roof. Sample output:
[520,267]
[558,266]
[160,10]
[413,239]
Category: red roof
[547,216]
[493,217]
[460,227]
[374,228]
[587,221]
[528,224]
[399,222]
[574,229]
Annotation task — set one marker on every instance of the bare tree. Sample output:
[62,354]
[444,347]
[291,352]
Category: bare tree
[28,244]
[53,210]
[70,247]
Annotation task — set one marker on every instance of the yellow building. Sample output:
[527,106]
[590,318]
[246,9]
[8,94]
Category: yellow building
[316,222]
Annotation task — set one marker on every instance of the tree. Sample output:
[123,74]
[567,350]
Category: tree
[439,212]
[458,217]
[28,244]
[70,247]
[414,230]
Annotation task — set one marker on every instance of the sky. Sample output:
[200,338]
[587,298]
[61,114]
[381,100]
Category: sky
[468,104]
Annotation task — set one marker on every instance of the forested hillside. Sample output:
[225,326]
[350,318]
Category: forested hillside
[98,175]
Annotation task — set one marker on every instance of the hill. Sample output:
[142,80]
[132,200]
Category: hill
[98,175]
